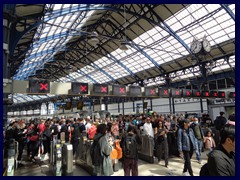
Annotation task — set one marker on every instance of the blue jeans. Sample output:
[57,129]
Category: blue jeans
[198,149]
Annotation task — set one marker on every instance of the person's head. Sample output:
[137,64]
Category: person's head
[160,124]
[222,113]
[102,128]
[109,127]
[148,119]
[195,120]
[186,123]
[227,135]
[209,134]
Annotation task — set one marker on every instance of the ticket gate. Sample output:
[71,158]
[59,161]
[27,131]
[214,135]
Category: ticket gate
[67,159]
[12,156]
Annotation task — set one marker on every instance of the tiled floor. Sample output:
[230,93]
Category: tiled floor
[175,168]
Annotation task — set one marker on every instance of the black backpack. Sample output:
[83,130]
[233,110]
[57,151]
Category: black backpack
[204,170]
[95,152]
[76,131]
[130,147]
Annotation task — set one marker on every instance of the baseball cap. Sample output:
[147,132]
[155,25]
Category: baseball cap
[186,120]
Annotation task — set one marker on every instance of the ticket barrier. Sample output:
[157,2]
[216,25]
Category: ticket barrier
[146,151]
[67,159]
[12,157]
[56,157]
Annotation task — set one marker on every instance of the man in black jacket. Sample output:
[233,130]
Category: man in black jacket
[221,161]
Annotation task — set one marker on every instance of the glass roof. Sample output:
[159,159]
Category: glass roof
[193,21]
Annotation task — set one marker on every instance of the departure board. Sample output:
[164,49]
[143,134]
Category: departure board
[39,86]
[100,89]
[119,90]
[176,93]
[206,94]
[214,94]
[196,93]
[68,105]
[221,94]
[150,91]
[163,92]
[187,93]
[79,88]
[232,95]
[135,91]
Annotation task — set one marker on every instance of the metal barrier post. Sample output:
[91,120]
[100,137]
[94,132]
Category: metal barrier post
[67,159]
[58,158]
[10,160]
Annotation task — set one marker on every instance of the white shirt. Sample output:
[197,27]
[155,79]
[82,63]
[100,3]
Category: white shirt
[147,129]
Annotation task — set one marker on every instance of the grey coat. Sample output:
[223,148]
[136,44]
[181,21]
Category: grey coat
[106,168]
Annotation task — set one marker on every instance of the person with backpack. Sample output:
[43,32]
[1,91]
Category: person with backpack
[129,144]
[219,122]
[100,153]
[75,137]
[186,145]
[221,161]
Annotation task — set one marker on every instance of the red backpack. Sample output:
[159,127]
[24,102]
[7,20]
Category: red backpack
[92,131]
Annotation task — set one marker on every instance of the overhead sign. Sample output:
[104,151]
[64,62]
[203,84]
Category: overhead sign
[214,94]
[176,93]
[187,93]
[163,92]
[119,90]
[135,91]
[196,93]
[79,88]
[206,94]
[39,86]
[232,95]
[221,94]
[100,89]
[150,91]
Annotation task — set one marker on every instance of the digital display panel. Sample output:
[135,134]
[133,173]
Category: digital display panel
[134,90]
[80,105]
[187,93]
[119,90]
[232,95]
[163,92]
[214,94]
[100,88]
[150,91]
[79,88]
[205,94]
[176,93]
[68,105]
[39,86]
[196,93]
[221,94]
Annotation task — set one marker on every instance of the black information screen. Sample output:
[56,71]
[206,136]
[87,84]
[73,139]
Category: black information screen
[39,86]
[205,94]
[80,105]
[196,93]
[119,90]
[68,105]
[100,88]
[232,95]
[221,94]
[163,92]
[150,91]
[176,93]
[134,90]
[79,88]
[187,93]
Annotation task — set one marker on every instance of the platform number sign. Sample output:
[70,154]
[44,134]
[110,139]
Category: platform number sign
[176,93]
[39,86]
[79,88]
[100,88]
[187,93]
[163,92]
[119,90]
[150,91]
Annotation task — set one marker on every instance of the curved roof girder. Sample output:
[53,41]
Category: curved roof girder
[228,10]
[89,77]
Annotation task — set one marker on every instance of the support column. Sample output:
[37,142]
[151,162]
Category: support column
[151,105]
[170,104]
[123,106]
[173,105]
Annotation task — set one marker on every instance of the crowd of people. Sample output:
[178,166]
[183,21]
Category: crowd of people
[186,135]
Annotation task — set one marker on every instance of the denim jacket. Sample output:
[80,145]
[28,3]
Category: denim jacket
[183,140]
